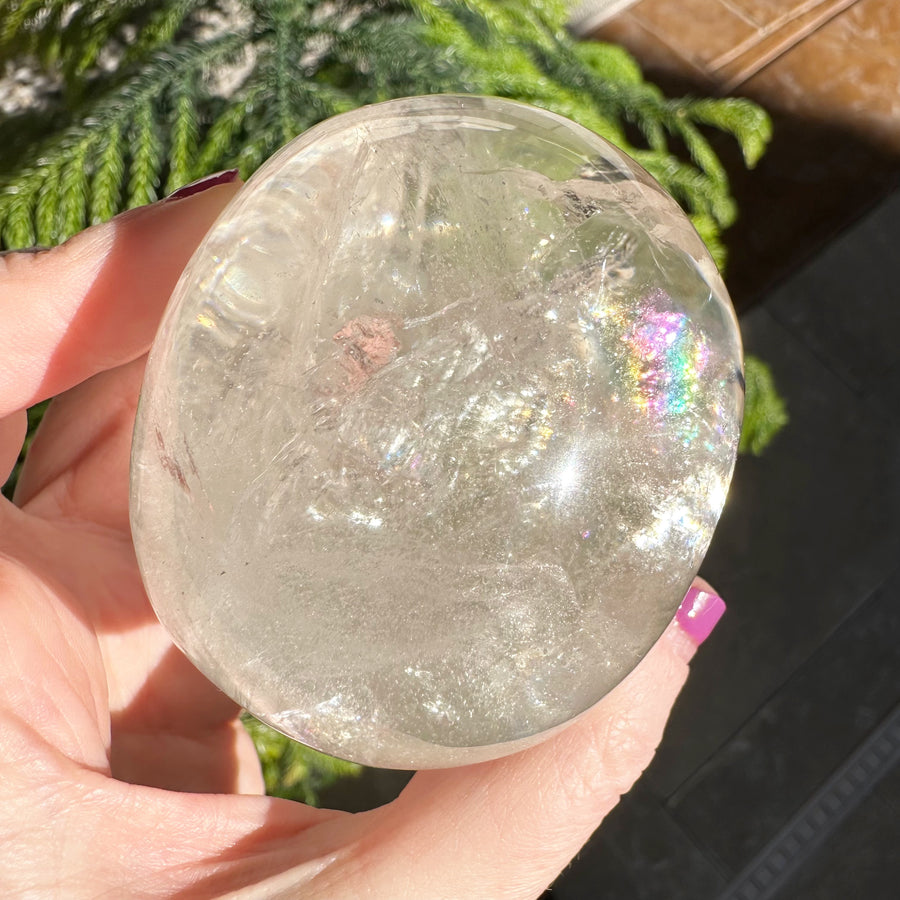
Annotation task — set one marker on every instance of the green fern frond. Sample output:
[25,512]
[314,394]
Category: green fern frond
[701,153]
[161,28]
[130,137]
[46,208]
[535,23]
[159,122]
[108,175]
[48,41]
[765,412]
[74,191]
[291,770]
[219,145]
[184,134]
[76,33]
[90,28]
[146,163]
[19,19]
[711,235]
[315,101]
[750,124]
[692,188]
[608,62]
[18,220]
[282,76]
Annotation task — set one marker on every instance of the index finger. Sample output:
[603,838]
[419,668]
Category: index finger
[94,302]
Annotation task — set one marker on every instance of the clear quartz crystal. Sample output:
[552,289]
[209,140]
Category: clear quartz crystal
[435,432]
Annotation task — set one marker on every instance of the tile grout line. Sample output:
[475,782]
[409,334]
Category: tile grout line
[778,861]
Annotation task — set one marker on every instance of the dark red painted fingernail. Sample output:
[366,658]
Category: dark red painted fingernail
[203,184]
[699,612]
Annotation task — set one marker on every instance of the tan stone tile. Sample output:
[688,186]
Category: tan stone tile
[833,61]
[741,62]
[767,14]
[846,74]
[699,30]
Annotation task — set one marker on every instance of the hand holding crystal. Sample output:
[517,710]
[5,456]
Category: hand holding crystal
[125,772]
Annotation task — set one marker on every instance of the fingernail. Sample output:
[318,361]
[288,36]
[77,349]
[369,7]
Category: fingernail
[203,184]
[699,612]
[24,250]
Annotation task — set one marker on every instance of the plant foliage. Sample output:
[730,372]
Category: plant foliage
[766,412]
[153,94]
[291,770]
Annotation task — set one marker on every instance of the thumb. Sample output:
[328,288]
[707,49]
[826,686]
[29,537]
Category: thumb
[94,302]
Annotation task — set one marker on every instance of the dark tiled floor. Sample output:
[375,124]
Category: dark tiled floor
[806,665]
[641,851]
[797,738]
[846,306]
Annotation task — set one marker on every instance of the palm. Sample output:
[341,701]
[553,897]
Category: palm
[74,535]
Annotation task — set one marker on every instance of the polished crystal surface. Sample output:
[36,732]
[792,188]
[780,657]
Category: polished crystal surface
[435,432]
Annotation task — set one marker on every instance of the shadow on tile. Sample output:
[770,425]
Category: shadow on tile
[639,854]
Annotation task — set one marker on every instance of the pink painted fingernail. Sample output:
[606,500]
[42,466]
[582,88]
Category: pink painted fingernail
[699,612]
[203,184]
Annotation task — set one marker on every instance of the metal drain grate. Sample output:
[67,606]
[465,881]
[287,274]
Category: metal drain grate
[770,870]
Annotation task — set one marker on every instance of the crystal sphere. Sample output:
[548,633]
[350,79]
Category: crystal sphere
[435,431]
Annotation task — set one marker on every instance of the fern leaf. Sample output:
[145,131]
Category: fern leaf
[609,62]
[698,146]
[16,18]
[137,113]
[218,145]
[693,189]
[282,77]
[292,770]
[161,28]
[750,124]
[254,152]
[316,101]
[711,235]
[307,61]
[765,412]
[18,222]
[109,173]
[73,190]
[87,33]
[147,159]
[184,136]
[48,40]
[46,210]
